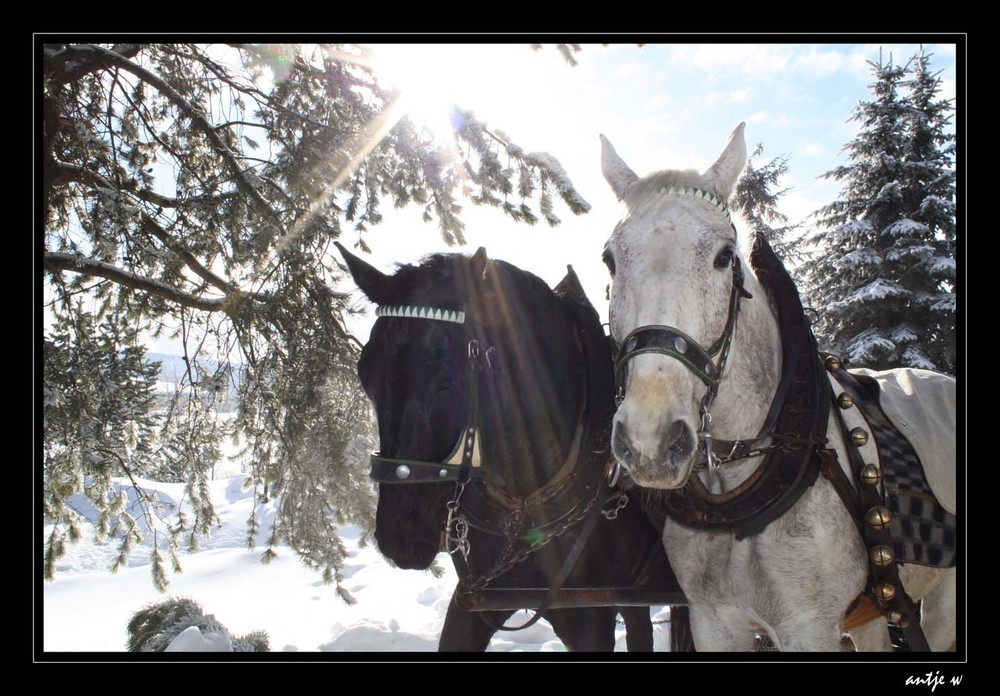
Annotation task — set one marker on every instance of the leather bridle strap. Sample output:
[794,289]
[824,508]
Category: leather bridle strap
[455,468]
[666,340]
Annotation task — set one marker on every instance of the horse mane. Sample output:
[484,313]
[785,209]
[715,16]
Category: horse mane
[438,276]
[447,280]
[650,186]
[600,376]
[781,289]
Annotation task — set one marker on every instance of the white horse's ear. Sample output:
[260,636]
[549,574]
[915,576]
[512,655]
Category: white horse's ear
[615,170]
[726,171]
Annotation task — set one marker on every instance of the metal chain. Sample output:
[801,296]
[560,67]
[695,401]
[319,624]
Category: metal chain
[456,527]
[656,622]
[620,501]
[508,559]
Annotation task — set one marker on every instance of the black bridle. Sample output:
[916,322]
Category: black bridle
[666,340]
[457,466]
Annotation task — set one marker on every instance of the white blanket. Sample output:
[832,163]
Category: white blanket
[922,405]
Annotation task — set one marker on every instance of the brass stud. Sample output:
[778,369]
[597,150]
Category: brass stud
[881,555]
[845,400]
[878,517]
[859,437]
[884,592]
[871,475]
[832,363]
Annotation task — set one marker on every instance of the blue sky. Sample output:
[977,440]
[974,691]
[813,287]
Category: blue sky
[661,105]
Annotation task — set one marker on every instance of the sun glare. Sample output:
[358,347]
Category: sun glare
[429,79]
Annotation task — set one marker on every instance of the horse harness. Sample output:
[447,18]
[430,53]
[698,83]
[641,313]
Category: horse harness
[796,422]
[509,517]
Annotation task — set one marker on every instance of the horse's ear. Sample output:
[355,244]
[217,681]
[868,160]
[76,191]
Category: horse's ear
[479,264]
[618,174]
[370,280]
[571,287]
[726,171]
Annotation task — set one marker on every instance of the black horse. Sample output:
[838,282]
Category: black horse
[480,353]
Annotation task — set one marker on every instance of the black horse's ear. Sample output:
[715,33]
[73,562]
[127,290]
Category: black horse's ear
[479,264]
[571,287]
[370,280]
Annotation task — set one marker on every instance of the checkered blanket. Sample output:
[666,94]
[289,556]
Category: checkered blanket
[915,435]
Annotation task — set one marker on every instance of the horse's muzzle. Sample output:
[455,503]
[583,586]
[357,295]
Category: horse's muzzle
[662,460]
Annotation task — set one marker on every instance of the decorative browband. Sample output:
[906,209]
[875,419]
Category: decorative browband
[707,196]
[421,312]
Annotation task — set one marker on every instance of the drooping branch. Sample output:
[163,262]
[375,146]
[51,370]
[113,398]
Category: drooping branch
[71,172]
[66,172]
[192,111]
[60,261]
[60,69]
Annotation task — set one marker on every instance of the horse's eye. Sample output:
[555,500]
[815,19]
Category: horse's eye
[609,260]
[724,258]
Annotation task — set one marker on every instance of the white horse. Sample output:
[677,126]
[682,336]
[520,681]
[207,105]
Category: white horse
[676,266]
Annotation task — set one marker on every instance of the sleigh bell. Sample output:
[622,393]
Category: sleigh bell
[832,363]
[845,400]
[878,517]
[859,437]
[881,555]
[884,592]
[871,475]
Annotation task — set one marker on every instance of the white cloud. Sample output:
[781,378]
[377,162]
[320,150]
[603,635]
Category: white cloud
[755,60]
[734,96]
[824,60]
[814,148]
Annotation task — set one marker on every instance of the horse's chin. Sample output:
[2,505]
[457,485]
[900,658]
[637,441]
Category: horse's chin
[419,556]
[409,553]
[661,475]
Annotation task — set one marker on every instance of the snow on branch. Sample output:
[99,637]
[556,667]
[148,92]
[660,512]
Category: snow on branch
[878,289]
[59,261]
[918,251]
[868,347]
[905,226]
[859,257]
[557,175]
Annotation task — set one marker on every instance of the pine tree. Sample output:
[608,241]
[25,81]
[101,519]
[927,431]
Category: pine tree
[195,191]
[757,202]
[929,180]
[98,427]
[884,266]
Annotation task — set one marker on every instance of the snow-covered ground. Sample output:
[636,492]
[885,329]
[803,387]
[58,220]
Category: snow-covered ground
[86,608]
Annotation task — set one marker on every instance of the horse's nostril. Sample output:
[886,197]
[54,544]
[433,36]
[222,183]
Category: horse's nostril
[679,441]
[622,447]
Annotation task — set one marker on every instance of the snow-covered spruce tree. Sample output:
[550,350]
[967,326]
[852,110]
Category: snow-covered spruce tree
[97,425]
[757,202]
[929,188]
[883,268]
[195,191]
